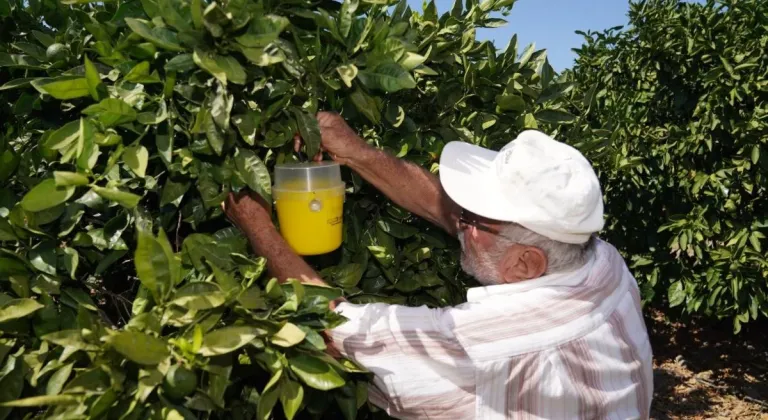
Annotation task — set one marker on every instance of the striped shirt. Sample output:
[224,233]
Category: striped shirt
[562,346]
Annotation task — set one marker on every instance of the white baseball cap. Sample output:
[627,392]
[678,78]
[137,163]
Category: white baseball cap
[535,181]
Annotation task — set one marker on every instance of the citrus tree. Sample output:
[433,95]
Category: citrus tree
[124,293]
[675,120]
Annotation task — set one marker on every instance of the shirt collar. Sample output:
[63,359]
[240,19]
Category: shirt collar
[567,279]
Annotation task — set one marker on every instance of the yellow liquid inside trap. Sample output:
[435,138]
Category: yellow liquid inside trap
[311,221]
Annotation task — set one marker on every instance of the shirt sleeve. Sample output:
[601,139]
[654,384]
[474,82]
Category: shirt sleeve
[411,351]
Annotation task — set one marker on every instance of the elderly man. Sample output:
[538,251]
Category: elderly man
[555,333]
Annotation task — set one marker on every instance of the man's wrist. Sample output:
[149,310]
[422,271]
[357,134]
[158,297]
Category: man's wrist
[258,227]
[362,156]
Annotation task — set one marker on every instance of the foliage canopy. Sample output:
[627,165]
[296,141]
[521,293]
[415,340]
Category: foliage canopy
[676,124]
[123,291]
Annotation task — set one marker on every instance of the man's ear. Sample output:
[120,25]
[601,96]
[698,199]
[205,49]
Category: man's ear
[522,262]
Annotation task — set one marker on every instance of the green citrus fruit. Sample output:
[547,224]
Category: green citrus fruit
[179,382]
[57,52]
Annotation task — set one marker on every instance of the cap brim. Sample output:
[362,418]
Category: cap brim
[467,176]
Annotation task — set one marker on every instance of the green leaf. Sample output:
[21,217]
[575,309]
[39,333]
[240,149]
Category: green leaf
[140,74]
[43,258]
[228,339]
[157,267]
[254,173]
[155,116]
[225,280]
[17,83]
[288,336]
[199,296]
[86,152]
[310,131]
[348,73]
[93,79]
[347,401]
[253,299]
[315,373]
[11,379]
[19,61]
[162,37]
[46,195]
[291,397]
[553,92]
[181,63]
[526,55]
[102,404]
[139,347]
[349,275]
[136,158]
[248,125]
[70,338]
[755,154]
[7,232]
[366,105]
[112,112]
[176,13]
[553,116]
[67,179]
[9,161]
[173,192]
[267,402]
[58,379]
[81,298]
[347,16]
[221,108]
[71,260]
[263,30]
[125,199]
[64,87]
[676,294]
[43,400]
[213,134]
[396,229]
[387,77]
[64,137]
[18,308]
[197,14]
[265,56]
[223,68]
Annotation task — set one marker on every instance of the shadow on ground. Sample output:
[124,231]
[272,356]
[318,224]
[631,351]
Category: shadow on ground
[703,371]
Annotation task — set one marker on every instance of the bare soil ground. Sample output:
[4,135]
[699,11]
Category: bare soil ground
[703,371]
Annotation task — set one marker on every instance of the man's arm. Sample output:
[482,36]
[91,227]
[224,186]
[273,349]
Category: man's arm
[416,360]
[282,262]
[408,185]
[405,183]
[251,215]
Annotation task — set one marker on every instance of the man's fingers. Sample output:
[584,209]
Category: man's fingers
[227,202]
[296,143]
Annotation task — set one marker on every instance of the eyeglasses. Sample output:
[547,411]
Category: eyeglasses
[466,220]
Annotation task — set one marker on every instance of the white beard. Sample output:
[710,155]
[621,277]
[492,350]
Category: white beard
[480,267]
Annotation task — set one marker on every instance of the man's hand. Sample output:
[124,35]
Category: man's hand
[338,138]
[248,211]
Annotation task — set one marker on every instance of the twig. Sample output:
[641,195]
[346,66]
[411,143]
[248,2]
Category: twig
[756,401]
[710,384]
[116,298]
[178,226]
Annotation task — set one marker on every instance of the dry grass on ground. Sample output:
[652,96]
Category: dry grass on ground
[703,371]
